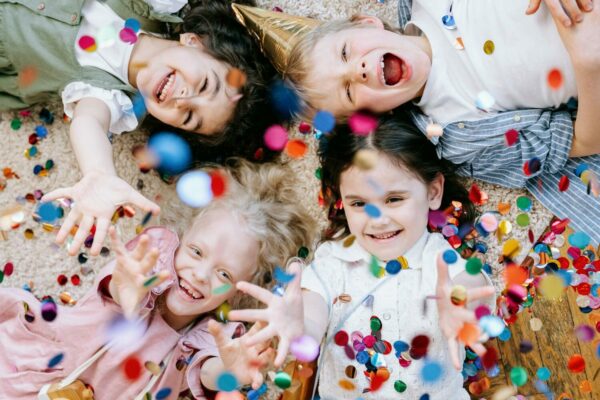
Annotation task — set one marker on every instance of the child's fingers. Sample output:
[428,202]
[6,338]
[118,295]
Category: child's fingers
[478,348]
[255,327]
[453,348]
[57,194]
[558,12]
[82,233]
[141,248]
[262,336]
[217,332]
[442,269]
[67,225]
[247,315]
[255,291]
[149,260]
[102,225]
[282,350]
[572,9]
[480,292]
[154,280]
[296,269]
[266,357]
[464,315]
[257,380]
[117,246]
[137,199]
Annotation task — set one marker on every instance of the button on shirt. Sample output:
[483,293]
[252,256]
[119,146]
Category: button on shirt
[398,302]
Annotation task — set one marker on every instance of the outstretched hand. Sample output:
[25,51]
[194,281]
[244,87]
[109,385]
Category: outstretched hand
[130,283]
[568,12]
[240,358]
[284,314]
[96,197]
[453,317]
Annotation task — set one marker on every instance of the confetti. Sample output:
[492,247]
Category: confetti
[489,47]
[324,121]
[296,148]
[276,137]
[305,348]
[172,152]
[194,189]
[132,368]
[227,382]
[361,124]
[555,79]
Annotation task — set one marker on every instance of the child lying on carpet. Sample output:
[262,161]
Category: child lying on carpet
[89,54]
[259,223]
[482,73]
[368,284]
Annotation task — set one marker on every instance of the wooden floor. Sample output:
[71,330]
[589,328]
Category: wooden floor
[553,345]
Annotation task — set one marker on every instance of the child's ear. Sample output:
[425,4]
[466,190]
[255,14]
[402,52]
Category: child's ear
[191,40]
[367,19]
[435,192]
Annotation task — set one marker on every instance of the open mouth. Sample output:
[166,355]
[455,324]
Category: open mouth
[164,87]
[394,69]
[188,291]
[384,236]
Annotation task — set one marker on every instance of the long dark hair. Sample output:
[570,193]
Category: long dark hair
[228,41]
[401,141]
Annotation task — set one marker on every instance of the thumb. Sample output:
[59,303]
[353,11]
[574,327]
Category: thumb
[56,194]
[442,270]
[142,202]
[296,269]
[216,331]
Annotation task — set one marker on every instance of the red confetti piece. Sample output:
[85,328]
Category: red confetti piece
[477,196]
[218,184]
[531,237]
[62,279]
[304,128]
[87,43]
[490,358]
[563,183]
[576,364]
[555,79]
[75,280]
[511,136]
[8,269]
[132,368]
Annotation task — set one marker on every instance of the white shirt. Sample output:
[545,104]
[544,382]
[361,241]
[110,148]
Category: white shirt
[527,48]
[398,303]
[112,55]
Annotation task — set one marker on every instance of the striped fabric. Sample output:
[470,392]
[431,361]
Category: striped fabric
[480,150]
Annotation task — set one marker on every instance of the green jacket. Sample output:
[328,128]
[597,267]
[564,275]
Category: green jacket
[40,35]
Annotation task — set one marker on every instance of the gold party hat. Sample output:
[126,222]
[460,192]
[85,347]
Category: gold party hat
[275,31]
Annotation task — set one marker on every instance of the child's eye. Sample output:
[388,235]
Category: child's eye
[204,85]
[394,199]
[225,275]
[344,54]
[196,251]
[188,118]
[348,94]
[357,204]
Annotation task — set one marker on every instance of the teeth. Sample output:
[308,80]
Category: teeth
[385,235]
[165,90]
[382,77]
[189,290]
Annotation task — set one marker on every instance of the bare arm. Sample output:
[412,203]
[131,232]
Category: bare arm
[316,315]
[88,134]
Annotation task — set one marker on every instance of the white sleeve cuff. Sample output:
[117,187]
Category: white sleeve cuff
[122,117]
[167,6]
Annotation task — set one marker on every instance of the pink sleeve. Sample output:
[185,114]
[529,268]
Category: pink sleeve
[207,348]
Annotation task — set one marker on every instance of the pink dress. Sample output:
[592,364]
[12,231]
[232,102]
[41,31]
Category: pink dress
[79,331]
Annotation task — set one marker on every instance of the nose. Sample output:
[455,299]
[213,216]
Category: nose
[381,220]
[201,274]
[360,71]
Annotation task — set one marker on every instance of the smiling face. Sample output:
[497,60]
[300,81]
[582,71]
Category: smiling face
[366,68]
[185,87]
[213,252]
[403,199]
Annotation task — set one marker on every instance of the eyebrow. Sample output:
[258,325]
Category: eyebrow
[386,194]
[217,85]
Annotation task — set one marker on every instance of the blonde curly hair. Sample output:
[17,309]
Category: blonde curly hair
[266,201]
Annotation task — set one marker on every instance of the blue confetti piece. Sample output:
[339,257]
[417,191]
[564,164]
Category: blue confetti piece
[372,211]
[48,212]
[505,335]
[431,372]
[284,99]
[173,152]
[227,382]
[139,106]
[54,361]
[401,346]
[579,239]
[163,393]
[324,121]
[450,256]
[580,169]
[448,21]
[392,267]
[282,277]
[132,24]
[41,131]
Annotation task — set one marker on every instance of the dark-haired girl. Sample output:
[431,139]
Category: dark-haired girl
[101,57]
[369,282]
